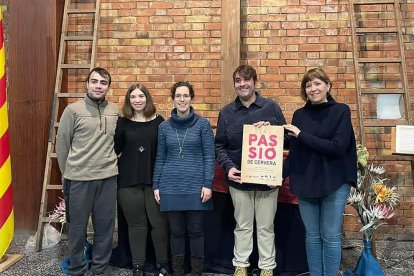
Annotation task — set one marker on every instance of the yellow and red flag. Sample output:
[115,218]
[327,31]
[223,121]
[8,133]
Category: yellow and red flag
[6,192]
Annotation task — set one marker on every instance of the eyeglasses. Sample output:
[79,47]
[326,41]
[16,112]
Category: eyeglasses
[179,96]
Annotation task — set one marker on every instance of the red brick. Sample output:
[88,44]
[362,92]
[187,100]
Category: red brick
[311,47]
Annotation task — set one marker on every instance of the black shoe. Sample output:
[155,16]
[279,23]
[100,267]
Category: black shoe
[138,270]
[163,270]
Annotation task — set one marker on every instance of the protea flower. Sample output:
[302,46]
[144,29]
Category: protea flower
[355,197]
[385,194]
[59,212]
[387,212]
[376,169]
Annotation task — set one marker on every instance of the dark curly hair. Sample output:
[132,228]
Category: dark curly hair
[182,83]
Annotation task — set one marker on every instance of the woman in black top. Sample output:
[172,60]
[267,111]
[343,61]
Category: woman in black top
[322,166]
[136,144]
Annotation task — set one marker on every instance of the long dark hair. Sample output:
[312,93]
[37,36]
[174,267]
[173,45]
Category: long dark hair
[149,109]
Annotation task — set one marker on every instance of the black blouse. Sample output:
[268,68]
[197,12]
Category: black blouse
[136,143]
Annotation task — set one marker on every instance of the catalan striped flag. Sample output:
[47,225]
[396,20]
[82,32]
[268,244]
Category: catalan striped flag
[6,198]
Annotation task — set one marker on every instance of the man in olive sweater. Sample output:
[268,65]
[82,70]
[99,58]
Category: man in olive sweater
[88,163]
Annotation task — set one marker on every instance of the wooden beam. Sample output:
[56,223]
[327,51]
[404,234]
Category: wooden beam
[8,260]
[33,39]
[230,47]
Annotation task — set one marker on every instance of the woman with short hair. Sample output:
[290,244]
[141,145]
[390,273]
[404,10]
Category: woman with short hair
[322,164]
[183,176]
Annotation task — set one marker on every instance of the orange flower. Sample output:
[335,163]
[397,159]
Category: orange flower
[382,192]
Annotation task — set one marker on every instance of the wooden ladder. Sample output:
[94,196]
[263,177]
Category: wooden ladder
[379,69]
[78,18]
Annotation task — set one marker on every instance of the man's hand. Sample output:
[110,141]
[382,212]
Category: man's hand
[205,194]
[261,123]
[234,175]
[272,186]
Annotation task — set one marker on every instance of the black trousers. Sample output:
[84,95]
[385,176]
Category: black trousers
[143,215]
[186,223]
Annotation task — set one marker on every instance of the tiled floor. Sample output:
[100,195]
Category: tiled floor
[396,258]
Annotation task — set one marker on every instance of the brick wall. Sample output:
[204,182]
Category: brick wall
[161,42]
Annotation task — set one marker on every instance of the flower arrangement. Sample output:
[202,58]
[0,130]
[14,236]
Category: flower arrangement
[59,213]
[373,200]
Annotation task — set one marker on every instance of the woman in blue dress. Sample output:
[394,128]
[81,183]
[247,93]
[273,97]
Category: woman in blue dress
[184,171]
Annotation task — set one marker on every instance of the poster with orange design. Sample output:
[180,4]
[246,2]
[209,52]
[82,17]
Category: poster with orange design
[262,155]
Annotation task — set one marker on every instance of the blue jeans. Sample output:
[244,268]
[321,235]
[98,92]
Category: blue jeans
[323,217]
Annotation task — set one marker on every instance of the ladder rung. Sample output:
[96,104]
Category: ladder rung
[53,155]
[78,38]
[381,91]
[81,11]
[372,2]
[392,158]
[71,95]
[54,187]
[376,30]
[47,220]
[379,60]
[384,123]
[75,66]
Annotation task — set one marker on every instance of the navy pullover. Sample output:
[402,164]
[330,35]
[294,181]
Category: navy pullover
[229,134]
[323,156]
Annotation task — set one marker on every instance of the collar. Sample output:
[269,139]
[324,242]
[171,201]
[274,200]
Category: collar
[179,122]
[258,102]
[92,102]
[330,102]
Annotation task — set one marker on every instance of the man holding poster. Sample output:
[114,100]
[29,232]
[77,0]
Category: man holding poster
[251,201]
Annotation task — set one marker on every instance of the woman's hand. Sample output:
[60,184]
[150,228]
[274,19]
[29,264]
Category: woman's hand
[272,186]
[157,196]
[261,123]
[234,175]
[292,130]
[205,194]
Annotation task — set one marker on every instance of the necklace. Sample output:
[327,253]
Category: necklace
[181,145]
[141,149]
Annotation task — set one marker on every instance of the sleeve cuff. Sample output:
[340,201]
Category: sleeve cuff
[208,183]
